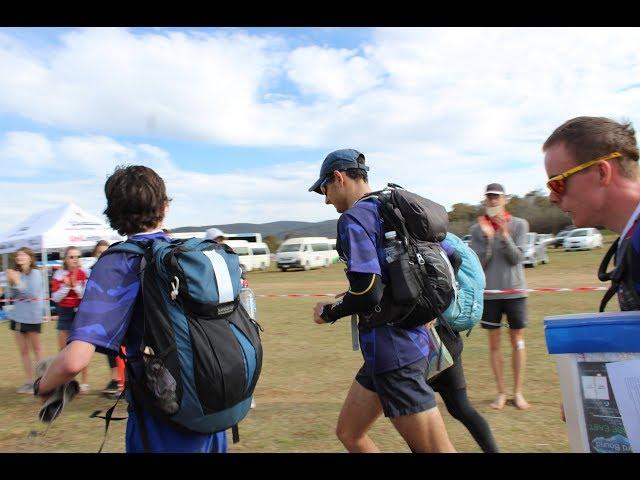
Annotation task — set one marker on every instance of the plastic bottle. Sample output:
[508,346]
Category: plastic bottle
[393,247]
[248,301]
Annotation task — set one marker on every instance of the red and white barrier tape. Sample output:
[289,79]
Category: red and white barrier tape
[546,290]
[305,295]
[297,295]
[491,292]
[16,300]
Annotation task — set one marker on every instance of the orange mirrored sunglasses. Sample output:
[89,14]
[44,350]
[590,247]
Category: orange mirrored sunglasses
[557,183]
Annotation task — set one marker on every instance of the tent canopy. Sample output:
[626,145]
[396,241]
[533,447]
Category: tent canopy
[57,228]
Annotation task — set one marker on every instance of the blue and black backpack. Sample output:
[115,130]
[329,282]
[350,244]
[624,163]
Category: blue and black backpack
[201,354]
[465,310]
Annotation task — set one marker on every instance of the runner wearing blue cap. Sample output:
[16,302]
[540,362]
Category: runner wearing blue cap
[392,379]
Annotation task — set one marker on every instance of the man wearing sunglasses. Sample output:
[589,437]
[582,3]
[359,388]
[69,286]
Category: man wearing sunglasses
[592,165]
[499,239]
[392,379]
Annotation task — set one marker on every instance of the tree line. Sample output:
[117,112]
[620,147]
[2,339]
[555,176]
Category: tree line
[543,217]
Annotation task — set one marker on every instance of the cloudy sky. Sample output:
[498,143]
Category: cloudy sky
[239,120]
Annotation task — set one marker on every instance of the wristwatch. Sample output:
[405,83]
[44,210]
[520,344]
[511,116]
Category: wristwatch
[325,313]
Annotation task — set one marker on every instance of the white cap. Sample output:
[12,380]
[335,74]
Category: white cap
[213,233]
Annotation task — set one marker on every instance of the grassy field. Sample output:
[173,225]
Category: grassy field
[308,369]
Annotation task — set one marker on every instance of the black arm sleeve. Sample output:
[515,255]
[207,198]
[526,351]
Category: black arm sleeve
[365,292]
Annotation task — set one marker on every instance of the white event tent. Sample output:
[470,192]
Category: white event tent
[55,229]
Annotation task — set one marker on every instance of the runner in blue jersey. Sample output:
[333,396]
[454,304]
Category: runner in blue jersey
[111,311]
[392,378]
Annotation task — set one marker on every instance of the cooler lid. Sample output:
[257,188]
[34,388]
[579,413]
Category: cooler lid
[593,332]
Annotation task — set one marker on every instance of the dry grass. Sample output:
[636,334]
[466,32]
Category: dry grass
[308,369]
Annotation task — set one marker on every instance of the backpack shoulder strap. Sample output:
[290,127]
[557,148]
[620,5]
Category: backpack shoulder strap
[393,216]
[135,247]
[191,243]
[608,296]
[614,275]
[603,275]
[128,246]
[382,195]
[620,274]
[387,209]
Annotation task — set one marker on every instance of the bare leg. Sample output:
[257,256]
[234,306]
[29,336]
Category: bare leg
[518,363]
[84,376]
[424,432]
[360,410]
[63,335]
[62,338]
[33,338]
[496,365]
[23,348]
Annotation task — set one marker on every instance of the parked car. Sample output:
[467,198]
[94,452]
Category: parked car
[559,240]
[253,255]
[546,238]
[583,239]
[306,253]
[535,252]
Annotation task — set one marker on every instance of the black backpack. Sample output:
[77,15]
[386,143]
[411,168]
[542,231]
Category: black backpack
[422,281]
[620,276]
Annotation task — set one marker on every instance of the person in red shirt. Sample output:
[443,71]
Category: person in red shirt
[67,289]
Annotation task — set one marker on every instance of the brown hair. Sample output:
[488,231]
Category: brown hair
[32,255]
[587,138]
[358,173]
[355,173]
[136,199]
[101,243]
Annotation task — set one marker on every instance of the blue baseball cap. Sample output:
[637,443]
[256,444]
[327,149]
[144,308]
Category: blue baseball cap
[338,160]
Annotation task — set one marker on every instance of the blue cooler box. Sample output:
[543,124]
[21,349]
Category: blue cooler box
[582,345]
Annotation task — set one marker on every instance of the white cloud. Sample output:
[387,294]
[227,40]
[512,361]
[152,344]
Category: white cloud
[99,155]
[333,74]
[82,165]
[263,194]
[24,154]
[195,86]
[28,154]
[441,110]
[473,87]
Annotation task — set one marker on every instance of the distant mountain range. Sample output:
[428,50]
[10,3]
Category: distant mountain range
[280,230]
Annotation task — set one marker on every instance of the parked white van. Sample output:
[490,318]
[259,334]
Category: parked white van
[306,253]
[253,255]
[583,239]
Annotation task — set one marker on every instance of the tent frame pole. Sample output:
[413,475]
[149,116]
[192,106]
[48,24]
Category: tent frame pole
[45,279]
[5,267]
